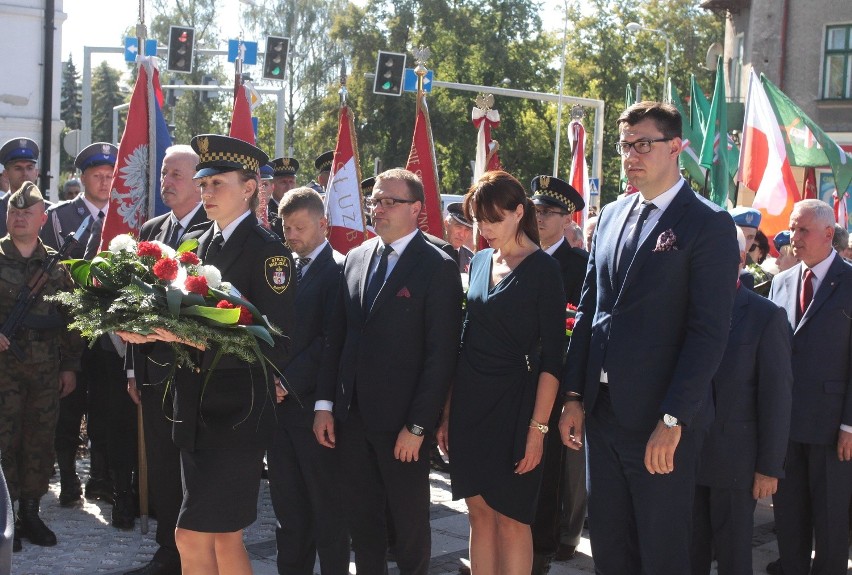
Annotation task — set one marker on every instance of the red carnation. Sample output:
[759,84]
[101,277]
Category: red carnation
[245,314]
[189,258]
[570,307]
[166,269]
[225,304]
[196,284]
[149,249]
[569,323]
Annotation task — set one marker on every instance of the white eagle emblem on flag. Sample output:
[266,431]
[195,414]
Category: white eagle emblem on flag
[132,195]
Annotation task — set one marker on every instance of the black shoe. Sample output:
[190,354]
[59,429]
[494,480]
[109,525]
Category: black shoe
[565,552]
[71,492]
[31,525]
[155,568]
[16,541]
[774,568]
[124,508]
[99,489]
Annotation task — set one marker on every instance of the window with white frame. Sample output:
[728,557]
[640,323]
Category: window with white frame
[837,70]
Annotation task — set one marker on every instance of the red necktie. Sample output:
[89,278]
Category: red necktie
[807,293]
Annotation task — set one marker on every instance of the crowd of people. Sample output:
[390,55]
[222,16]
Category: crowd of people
[697,374]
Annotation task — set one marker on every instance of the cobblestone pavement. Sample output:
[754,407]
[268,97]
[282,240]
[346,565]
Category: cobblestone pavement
[88,544]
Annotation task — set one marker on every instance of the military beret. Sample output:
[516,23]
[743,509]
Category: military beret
[746,217]
[219,154]
[781,239]
[97,154]
[367,185]
[267,172]
[457,213]
[285,166]
[550,190]
[18,149]
[323,161]
[27,195]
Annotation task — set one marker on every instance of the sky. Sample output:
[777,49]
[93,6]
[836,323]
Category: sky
[92,23]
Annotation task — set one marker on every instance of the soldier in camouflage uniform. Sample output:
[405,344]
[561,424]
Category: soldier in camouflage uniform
[30,389]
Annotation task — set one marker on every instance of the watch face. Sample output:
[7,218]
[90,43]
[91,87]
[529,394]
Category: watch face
[670,420]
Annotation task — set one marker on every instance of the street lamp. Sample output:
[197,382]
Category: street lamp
[634,27]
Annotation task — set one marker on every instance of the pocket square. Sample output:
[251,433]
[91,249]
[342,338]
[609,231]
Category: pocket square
[403,293]
[666,242]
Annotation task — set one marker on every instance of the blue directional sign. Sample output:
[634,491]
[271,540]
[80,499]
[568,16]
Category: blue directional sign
[249,54]
[131,48]
[409,81]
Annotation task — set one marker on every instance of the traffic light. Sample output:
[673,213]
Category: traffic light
[181,46]
[275,60]
[390,68]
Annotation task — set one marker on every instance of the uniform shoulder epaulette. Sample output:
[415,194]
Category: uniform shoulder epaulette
[267,235]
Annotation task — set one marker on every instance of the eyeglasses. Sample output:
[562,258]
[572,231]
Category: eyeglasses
[548,213]
[386,203]
[641,146]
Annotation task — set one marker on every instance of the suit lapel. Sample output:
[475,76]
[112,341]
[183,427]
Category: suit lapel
[740,307]
[826,288]
[786,294]
[668,220]
[614,238]
[315,269]
[366,256]
[400,272]
[232,249]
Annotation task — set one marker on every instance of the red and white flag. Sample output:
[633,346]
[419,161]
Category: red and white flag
[241,125]
[840,214]
[764,166]
[579,175]
[421,161]
[487,159]
[343,204]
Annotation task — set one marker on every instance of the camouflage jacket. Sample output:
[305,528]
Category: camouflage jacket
[44,333]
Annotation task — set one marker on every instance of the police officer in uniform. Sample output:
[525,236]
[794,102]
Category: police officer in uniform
[459,234]
[562,499]
[102,377]
[752,275]
[284,172]
[19,157]
[30,388]
[323,167]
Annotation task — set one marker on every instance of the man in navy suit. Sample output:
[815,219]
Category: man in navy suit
[304,477]
[752,390]
[812,502]
[148,366]
[387,366]
[650,332]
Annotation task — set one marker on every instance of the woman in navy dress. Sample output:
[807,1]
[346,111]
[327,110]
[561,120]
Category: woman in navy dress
[507,376]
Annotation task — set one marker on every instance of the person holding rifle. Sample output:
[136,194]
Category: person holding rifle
[38,360]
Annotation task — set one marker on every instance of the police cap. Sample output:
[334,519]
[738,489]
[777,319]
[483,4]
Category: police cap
[285,166]
[551,191]
[219,154]
[97,154]
[746,217]
[18,149]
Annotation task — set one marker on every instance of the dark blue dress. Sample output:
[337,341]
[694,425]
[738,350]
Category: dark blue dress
[512,332]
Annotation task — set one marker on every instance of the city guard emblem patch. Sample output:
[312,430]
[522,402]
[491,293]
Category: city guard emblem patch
[278,273]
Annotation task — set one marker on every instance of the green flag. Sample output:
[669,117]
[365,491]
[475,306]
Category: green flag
[629,100]
[692,139]
[699,107]
[807,144]
[714,154]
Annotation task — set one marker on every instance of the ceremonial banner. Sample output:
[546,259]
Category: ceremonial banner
[699,106]
[135,193]
[764,166]
[241,125]
[807,144]
[343,203]
[714,153]
[486,149]
[841,216]
[692,139]
[579,175]
[629,100]
[421,161]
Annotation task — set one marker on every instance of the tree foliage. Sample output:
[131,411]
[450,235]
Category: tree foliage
[106,94]
[70,109]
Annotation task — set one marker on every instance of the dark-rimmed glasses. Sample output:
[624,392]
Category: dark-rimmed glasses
[386,203]
[641,146]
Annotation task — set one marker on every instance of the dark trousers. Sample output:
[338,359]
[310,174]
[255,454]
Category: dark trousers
[164,481]
[109,401]
[722,526]
[373,478]
[304,483]
[575,497]
[639,523]
[812,510]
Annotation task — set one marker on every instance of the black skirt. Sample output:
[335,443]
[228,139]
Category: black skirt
[220,489]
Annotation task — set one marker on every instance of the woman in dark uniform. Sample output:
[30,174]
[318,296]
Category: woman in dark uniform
[224,414]
[506,378]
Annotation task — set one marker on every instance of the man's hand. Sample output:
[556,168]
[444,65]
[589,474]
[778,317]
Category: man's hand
[133,391]
[407,448]
[571,424]
[67,382]
[764,486]
[280,390]
[324,428]
[4,342]
[135,338]
[660,451]
[532,453]
[442,435]
[844,446]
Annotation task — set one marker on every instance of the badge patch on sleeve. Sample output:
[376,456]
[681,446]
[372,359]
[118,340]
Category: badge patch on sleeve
[278,273]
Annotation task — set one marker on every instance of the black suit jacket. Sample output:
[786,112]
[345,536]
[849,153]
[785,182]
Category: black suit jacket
[572,267]
[158,228]
[315,298]
[753,393]
[822,352]
[231,404]
[401,355]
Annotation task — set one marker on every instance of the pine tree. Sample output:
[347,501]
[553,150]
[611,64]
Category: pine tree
[71,97]
[105,96]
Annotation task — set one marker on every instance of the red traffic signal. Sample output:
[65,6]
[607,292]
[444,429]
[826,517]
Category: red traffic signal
[181,48]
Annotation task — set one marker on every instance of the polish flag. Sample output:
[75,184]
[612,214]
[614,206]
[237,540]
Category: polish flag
[579,175]
[421,161]
[764,166]
[840,214]
[344,206]
[241,124]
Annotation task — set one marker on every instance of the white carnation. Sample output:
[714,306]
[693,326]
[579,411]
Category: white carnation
[212,275]
[168,251]
[122,243]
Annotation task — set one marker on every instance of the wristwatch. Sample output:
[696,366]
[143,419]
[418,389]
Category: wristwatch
[670,421]
[540,426]
[414,429]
